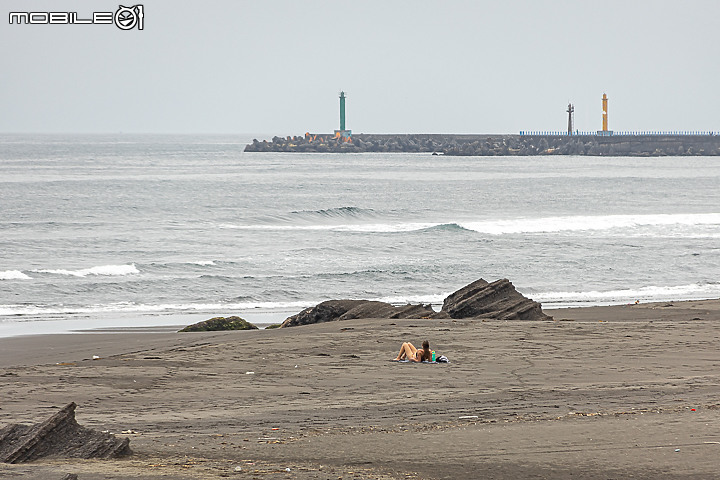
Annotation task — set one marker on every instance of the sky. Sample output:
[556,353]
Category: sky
[277,66]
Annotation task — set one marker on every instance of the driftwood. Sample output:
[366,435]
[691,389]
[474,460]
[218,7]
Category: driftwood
[59,436]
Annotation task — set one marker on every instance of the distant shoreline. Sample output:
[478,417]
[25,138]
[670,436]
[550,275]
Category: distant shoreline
[169,323]
[637,145]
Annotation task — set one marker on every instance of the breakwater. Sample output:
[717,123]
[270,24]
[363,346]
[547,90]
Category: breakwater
[525,144]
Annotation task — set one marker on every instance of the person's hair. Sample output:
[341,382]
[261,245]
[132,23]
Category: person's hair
[427,356]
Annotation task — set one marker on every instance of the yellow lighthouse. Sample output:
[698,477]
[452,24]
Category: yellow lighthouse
[604,100]
[605,130]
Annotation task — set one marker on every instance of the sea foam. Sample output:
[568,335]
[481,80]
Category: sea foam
[14,275]
[558,224]
[129,307]
[109,270]
[585,223]
[694,291]
[362,227]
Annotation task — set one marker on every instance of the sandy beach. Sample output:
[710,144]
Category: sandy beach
[598,393]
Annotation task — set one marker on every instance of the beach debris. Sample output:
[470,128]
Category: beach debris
[220,323]
[96,357]
[468,417]
[59,436]
[70,476]
[498,300]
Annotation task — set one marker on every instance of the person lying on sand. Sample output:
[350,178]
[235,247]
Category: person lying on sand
[408,351]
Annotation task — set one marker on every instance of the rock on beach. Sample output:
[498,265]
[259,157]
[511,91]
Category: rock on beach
[332,310]
[479,299]
[220,323]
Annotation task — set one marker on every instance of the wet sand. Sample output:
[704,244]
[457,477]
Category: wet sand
[598,393]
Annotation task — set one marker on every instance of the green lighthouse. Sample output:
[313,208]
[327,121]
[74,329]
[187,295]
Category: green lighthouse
[345,134]
[342,111]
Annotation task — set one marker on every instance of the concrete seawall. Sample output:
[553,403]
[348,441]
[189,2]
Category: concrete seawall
[494,145]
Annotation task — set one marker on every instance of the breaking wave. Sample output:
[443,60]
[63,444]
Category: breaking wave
[104,270]
[695,291]
[585,223]
[697,224]
[361,227]
[323,217]
[20,310]
[14,275]
[340,212]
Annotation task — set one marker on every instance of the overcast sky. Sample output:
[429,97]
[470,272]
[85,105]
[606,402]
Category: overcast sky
[276,67]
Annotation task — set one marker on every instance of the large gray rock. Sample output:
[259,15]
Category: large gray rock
[219,324]
[497,300]
[371,309]
[322,312]
[58,436]
[333,310]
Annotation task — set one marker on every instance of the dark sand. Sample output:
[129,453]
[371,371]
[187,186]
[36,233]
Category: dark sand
[598,393]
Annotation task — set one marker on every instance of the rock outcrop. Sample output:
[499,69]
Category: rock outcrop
[220,323]
[59,436]
[480,299]
[332,310]
[498,300]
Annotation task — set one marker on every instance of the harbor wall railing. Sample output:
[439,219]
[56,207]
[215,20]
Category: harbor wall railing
[638,133]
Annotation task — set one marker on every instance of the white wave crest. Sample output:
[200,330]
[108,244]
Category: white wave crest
[290,308]
[105,270]
[695,291]
[366,228]
[415,299]
[204,263]
[709,222]
[19,310]
[14,275]
[586,223]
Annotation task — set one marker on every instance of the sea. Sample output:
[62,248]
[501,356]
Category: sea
[124,230]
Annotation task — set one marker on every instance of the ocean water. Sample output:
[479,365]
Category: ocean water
[108,230]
